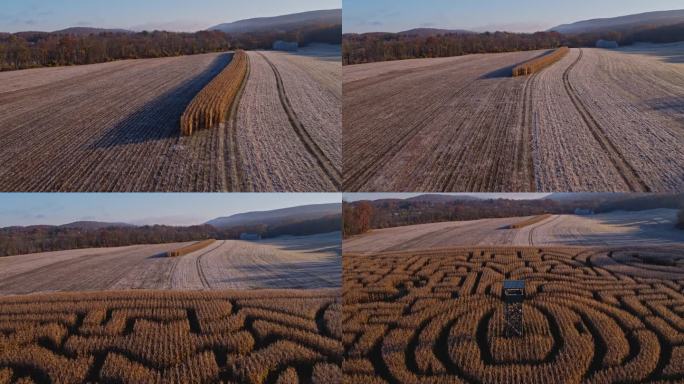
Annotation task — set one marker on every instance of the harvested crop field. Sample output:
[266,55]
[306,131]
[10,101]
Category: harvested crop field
[589,316]
[289,124]
[115,127]
[597,120]
[171,337]
[654,227]
[225,264]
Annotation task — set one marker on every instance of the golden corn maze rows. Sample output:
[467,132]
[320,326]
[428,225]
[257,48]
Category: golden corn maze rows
[168,337]
[589,316]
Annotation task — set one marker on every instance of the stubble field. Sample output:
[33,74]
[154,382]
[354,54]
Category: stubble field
[589,316]
[115,126]
[225,264]
[654,227]
[598,120]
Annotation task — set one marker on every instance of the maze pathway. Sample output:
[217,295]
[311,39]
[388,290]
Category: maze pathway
[590,316]
[169,337]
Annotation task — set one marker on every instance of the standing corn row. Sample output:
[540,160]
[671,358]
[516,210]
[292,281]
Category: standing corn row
[190,248]
[537,64]
[530,221]
[211,105]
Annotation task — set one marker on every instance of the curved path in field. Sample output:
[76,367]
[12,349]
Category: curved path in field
[288,262]
[641,228]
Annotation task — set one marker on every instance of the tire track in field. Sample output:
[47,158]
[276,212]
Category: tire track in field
[359,178]
[525,159]
[624,168]
[310,144]
[530,235]
[233,173]
[198,265]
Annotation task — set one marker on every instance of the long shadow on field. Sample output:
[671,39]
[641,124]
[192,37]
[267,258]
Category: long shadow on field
[160,119]
[508,70]
[295,275]
[655,231]
[673,54]
[669,104]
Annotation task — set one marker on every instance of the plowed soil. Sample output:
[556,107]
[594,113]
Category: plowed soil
[598,120]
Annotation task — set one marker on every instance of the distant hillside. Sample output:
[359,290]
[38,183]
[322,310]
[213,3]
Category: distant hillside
[582,196]
[425,32]
[284,23]
[438,208]
[274,217]
[437,198]
[85,31]
[91,225]
[623,23]
[297,221]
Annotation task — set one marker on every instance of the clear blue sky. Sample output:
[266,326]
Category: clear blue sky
[481,15]
[144,208]
[173,15]
[378,196]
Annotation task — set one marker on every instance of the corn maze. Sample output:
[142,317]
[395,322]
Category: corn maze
[211,105]
[590,316]
[282,336]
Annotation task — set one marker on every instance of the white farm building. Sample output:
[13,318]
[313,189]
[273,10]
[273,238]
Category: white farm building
[607,44]
[285,45]
[250,236]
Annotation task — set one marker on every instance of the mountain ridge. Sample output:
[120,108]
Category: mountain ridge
[298,213]
[621,23]
[281,23]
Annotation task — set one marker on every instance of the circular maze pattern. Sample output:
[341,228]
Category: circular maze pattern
[589,316]
[268,336]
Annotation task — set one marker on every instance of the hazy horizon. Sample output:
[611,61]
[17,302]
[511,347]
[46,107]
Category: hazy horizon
[170,15]
[25,209]
[494,15]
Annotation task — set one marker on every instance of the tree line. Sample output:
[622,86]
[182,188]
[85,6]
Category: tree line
[45,238]
[362,216]
[42,49]
[372,47]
